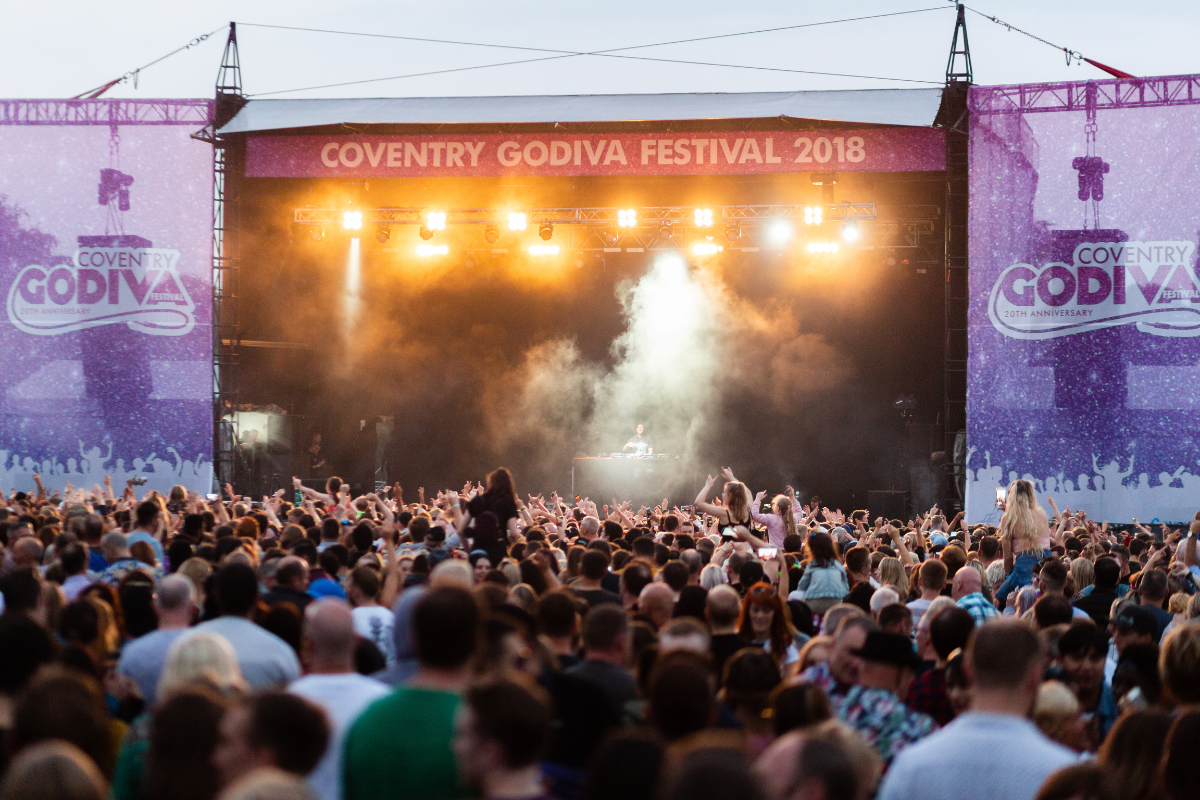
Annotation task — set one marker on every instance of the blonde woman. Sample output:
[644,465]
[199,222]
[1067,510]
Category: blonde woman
[1083,574]
[204,658]
[780,523]
[892,573]
[1024,537]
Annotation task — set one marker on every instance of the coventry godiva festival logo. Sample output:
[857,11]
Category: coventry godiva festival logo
[113,279]
[1151,285]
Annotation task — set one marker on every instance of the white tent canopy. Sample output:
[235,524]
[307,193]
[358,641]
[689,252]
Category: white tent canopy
[915,107]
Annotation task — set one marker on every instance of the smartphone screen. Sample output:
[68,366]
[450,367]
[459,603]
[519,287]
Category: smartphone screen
[767,553]
[211,496]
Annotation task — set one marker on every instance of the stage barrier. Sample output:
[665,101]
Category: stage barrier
[106,264]
[1084,366]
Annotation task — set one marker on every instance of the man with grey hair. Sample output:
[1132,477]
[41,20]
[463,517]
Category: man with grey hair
[589,528]
[333,685]
[143,658]
[120,562]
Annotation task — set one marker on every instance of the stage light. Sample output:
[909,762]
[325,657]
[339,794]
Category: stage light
[704,218]
[733,232]
[822,247]
[543,250]
[491,233]
[432,250]
[850,231]
[436,220]
[706,248]
[780,232]
[426,234]
[383,234]
[664,232]
[812,215]
[609,238]
[317,232]
[352,220]
[517,221]
[627,218]
[546,231]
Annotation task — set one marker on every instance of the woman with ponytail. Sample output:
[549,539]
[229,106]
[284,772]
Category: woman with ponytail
[781,522]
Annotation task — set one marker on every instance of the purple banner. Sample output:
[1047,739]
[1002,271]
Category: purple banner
[724,153]
[1084,361]
[105,265]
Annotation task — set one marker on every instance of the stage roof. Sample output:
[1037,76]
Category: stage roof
[916,107]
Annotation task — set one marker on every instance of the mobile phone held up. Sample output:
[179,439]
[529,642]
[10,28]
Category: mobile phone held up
[1001,496]
[767,553]
[210,497]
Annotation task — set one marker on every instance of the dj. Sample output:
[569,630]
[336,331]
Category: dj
[639,443]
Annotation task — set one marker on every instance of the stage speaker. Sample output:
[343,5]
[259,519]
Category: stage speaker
[888,503]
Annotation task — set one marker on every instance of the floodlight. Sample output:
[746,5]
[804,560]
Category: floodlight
[780,232]
[426,234]
[850,231]
[491,233]
[704,218]
[517,221]
[627,218]
[546,231]
[812,215]
[436,220]
[733,232]
[383,233]
[352,220]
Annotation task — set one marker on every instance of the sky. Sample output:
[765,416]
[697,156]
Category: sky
[60,49]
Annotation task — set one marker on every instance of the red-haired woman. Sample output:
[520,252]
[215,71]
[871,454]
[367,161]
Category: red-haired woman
[765,622]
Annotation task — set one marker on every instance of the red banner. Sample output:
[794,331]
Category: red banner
[724,153]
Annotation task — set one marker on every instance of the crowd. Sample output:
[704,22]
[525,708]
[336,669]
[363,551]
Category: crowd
[471,644]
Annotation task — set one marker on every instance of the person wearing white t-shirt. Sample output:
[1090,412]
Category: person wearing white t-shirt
[371,620]
[332,683]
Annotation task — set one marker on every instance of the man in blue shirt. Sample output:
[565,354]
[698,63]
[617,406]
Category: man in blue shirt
[146,528]
[994,742]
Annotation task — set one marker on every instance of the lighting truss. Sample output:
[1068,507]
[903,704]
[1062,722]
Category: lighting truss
[106,112]
[1073,96]
[592,229]
[652,217]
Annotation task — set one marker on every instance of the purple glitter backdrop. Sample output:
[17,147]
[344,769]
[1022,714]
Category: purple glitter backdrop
[107,336]
[1084,361]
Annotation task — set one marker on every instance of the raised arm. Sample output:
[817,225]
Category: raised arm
[311,493]
[1189,548]
[906,556]
[702,503]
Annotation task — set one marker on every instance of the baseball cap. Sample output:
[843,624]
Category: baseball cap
[1136,619]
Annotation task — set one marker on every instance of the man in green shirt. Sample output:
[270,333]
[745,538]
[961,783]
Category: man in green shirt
[400,746]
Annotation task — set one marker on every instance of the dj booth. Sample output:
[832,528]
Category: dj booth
[642,479]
